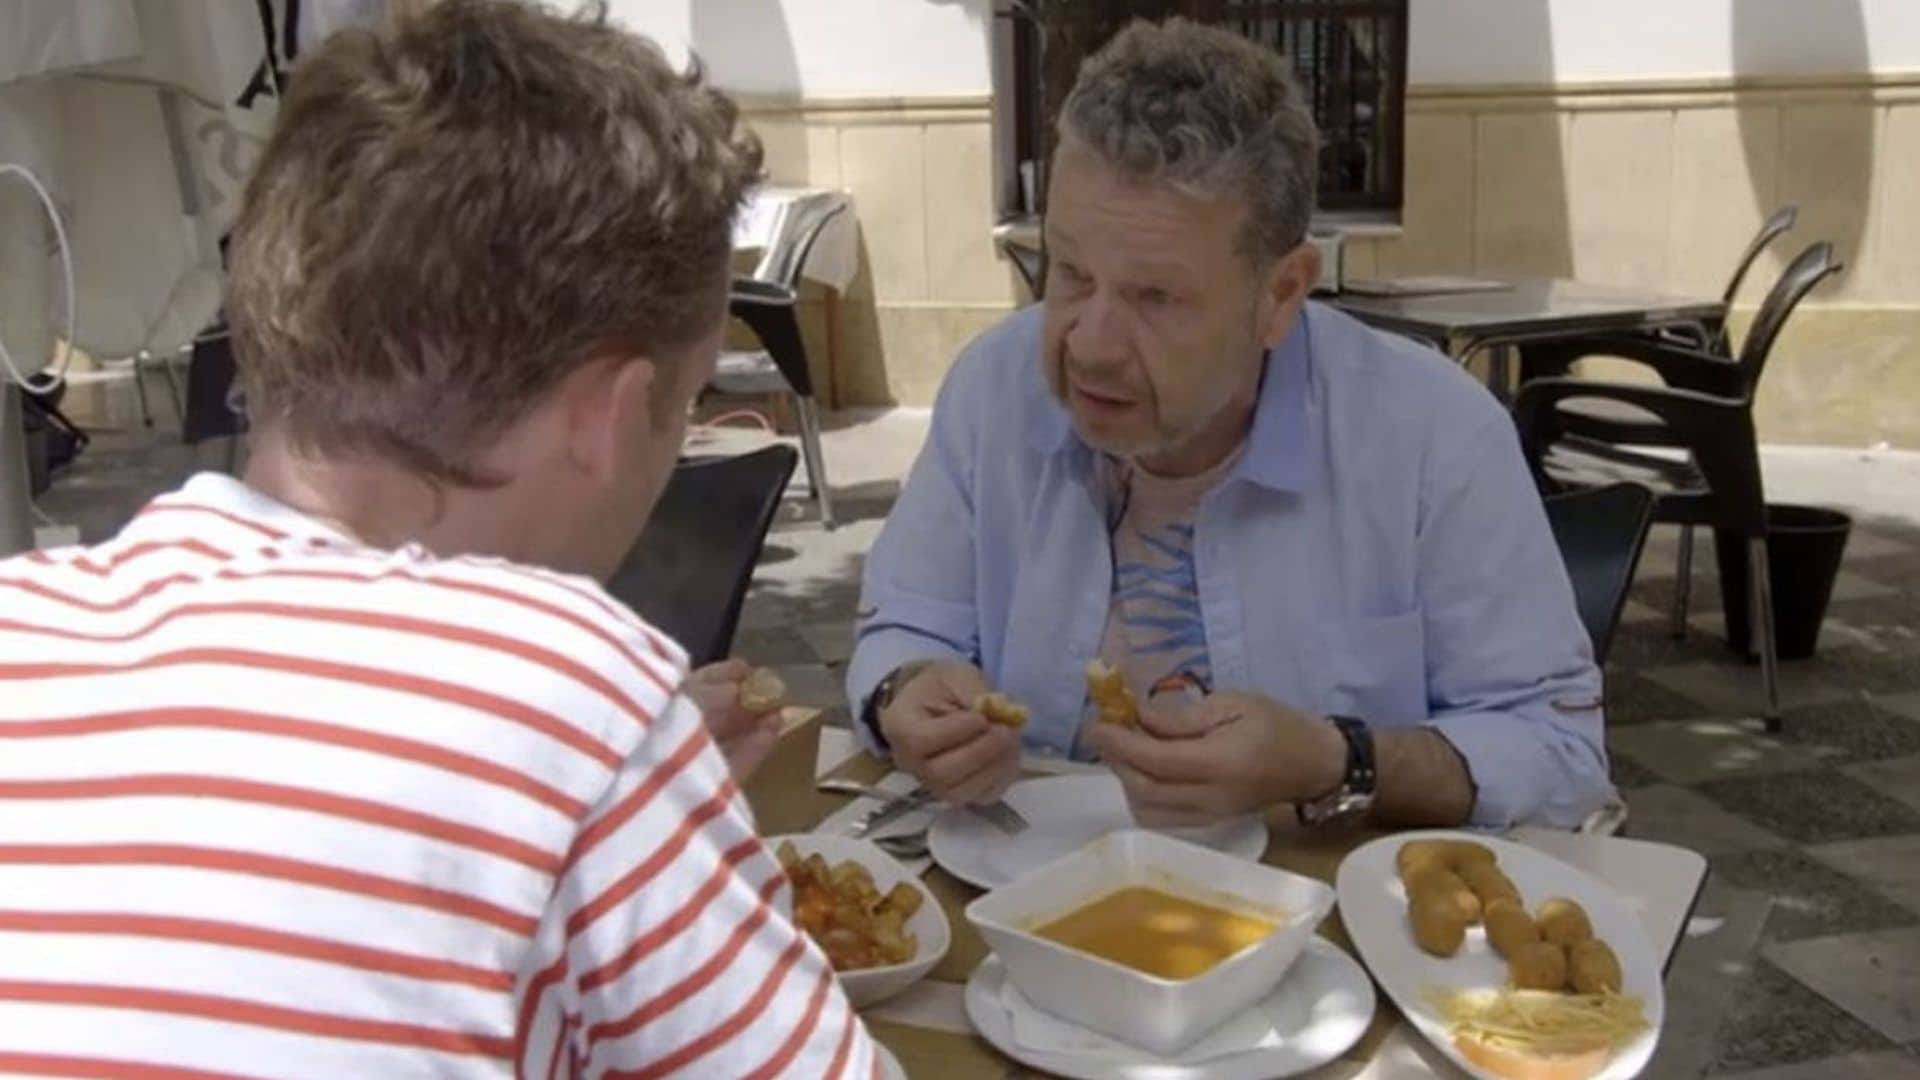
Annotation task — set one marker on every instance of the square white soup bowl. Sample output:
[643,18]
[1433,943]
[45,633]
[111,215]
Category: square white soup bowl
[1160,1015]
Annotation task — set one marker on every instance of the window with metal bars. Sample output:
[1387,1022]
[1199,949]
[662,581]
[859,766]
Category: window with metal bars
[1350,57]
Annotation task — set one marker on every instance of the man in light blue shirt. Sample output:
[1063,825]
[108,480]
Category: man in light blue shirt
[1312,550]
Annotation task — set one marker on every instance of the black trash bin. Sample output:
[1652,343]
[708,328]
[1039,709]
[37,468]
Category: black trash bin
[1804,547]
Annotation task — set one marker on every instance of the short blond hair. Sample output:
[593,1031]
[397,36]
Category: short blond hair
[456,212]
[1206,110]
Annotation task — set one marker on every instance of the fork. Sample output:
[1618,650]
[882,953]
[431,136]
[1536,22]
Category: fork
[1001,816]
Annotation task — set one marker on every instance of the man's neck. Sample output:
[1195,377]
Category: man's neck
[377,504]
[1212,445]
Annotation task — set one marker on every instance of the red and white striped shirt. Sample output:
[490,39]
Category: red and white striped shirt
[276,804]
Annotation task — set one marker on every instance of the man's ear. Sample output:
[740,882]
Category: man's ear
[1289,281]
[607,407]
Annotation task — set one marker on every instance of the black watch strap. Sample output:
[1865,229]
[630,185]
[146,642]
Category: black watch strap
[1358,783]
[883,695]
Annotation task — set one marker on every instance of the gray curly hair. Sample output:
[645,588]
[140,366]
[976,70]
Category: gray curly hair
[1207,111]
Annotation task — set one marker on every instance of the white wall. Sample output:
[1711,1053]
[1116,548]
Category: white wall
[826,48]
[909,48]
[1535,41]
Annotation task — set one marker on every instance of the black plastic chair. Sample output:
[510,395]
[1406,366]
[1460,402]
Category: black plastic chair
[1607,420]
[688,573]
[1600,533]
[765,302]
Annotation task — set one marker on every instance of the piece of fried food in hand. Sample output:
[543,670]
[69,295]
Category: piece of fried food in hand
[1594,968]
[1564,922]
[1509,927]
[1432,879]
[1000,709]
[1108,690]
[1438,925]
[1539,966]
[762,692]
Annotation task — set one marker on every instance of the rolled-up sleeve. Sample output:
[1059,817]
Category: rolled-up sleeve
[917,597]
[1510,673]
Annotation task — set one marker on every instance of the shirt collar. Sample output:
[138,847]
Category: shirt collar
[1279,444]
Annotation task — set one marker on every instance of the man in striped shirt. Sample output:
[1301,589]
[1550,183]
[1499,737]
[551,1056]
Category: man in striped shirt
[348,769]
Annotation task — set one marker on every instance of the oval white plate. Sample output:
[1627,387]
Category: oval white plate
[1373,905]
[1064,814]
[1324,1005]
[871,986]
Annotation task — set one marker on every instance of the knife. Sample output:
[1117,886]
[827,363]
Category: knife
[892,810]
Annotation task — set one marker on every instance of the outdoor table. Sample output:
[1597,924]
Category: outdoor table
[927,1027]
[1522,311]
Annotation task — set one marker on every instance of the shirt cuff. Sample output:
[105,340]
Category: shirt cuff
[1516,779]
[876,656]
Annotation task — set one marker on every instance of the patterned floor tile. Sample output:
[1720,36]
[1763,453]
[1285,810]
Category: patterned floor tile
[1896,778]
[1691,751]
[1891,1065]
[773,647]
[831,641]
[1889,864]
[1810,899]
[1736,689]
[1893,569]
[1866,545]
[1712,965]
[1632,698]
[1774,1020]
[1648,644]
[1629,775]
[812,685]
[1844,732]
[1679,816]
[1876,977]
[1812,806]
[1896,618]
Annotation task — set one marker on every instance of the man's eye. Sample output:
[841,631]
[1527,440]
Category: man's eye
[1069,271]
[1155,297]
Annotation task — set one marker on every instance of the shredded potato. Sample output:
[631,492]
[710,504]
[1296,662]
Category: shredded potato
[1540,1022]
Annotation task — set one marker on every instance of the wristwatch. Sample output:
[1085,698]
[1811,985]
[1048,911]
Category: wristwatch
[1354,797]
[883,695]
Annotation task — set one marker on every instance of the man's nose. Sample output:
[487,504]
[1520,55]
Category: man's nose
[1099,333]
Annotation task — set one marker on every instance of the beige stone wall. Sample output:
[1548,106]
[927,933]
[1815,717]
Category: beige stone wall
[921,176]
[1655,185]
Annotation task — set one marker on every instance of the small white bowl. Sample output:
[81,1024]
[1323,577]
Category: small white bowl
[1163,1016]
[870,986]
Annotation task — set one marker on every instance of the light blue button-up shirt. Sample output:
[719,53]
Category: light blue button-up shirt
[1378,551]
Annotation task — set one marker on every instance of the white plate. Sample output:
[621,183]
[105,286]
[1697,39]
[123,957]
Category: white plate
[1323,1006]
[1064,814]
[928,925]
[1373,905]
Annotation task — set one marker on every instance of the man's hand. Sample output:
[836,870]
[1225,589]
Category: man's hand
[937,736]
[1225,755]
[745,738]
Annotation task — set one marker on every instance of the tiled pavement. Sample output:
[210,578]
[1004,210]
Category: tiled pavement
[1804,958]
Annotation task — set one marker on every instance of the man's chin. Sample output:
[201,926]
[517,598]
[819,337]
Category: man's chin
[1109,440]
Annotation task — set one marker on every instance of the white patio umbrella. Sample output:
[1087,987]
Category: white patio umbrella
[143,119]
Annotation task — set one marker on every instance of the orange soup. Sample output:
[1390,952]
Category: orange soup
[1157,932]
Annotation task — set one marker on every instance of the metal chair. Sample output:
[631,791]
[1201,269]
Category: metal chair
[1600,533]
[765,302]
[1686,367]
[688,573]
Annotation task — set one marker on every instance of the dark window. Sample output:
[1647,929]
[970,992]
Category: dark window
[1350,57]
